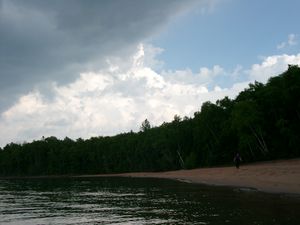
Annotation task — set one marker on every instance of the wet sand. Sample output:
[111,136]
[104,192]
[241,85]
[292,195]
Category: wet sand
[275,176]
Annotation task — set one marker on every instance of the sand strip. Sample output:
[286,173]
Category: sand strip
[275,176]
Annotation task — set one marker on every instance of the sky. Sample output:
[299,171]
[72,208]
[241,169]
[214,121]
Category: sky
[86,68]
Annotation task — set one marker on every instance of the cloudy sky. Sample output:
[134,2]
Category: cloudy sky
[85,68]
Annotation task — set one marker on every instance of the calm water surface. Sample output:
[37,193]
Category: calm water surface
[139,201]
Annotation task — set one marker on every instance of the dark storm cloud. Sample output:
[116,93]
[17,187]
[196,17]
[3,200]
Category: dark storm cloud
[55,40]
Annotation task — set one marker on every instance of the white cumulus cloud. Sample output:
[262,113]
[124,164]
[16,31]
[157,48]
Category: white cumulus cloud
[291,41]
[271,66]
[118,98]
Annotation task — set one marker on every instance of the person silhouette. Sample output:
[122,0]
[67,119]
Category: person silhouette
[237,160]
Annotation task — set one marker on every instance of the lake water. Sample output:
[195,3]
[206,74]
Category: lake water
[139,201]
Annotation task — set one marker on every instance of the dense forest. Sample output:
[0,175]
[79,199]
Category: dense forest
[262,123]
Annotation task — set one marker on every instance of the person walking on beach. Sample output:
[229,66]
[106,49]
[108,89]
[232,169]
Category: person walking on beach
[237,160]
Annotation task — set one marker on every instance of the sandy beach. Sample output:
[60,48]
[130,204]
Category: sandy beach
[275,176]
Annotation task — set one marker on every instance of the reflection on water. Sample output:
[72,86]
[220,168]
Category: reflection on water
[138,201]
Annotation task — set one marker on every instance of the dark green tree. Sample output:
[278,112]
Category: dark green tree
[145,125]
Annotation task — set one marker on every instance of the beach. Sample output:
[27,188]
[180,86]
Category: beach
[282,176]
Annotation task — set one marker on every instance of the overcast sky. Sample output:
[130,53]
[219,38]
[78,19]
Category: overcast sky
[85,68]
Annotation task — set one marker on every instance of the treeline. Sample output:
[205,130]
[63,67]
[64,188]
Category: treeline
[262,123]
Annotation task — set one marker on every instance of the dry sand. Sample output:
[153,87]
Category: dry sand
[276,176]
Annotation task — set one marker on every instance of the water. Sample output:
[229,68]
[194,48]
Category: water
[139,201]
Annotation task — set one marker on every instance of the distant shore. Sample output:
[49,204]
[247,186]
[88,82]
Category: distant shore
[282,176]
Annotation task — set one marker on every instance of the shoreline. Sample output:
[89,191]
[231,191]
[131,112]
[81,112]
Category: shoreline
[280,176]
